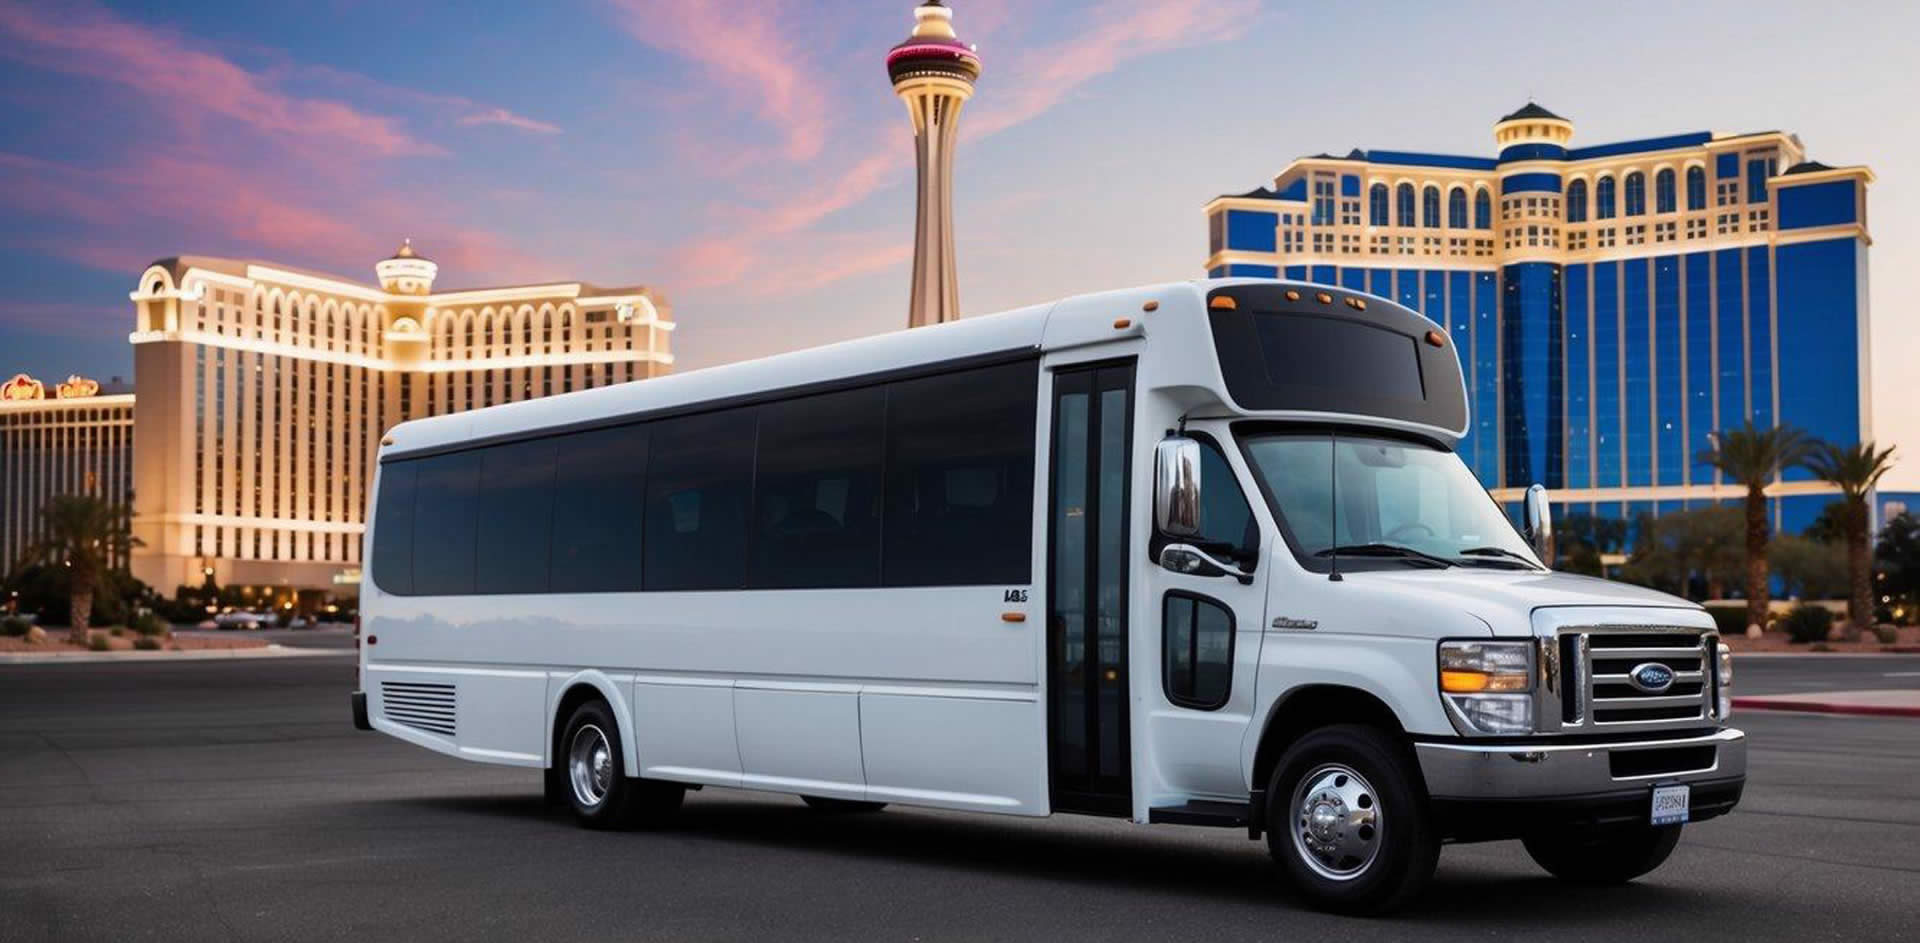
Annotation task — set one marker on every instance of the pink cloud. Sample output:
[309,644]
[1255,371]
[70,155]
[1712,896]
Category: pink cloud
[186,82]
[1040,80]
[1044,77]
[501,116]
[192,206]
[748,53]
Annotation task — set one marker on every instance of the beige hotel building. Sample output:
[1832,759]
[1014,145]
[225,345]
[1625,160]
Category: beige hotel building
[263,391]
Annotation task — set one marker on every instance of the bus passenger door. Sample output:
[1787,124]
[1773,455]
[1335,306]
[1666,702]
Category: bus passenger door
[1088,747]
[1204,647]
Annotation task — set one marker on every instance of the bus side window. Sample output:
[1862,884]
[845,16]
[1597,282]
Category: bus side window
[959,493]
[393,529]
[817,491]
[445,512]
[699,483]
[599,494]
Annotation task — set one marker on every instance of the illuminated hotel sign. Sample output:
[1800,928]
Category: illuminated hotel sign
[77,387]
[22,387]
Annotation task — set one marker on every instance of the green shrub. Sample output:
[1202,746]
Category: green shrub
[1730,620]
[116,631]
[1887,634]
[147,643]
[1809,623]
[148,622]
[14,626]
[100,643]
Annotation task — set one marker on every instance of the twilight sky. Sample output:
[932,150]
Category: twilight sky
[749,160]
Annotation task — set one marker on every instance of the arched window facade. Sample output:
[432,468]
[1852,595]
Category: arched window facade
[1482,210]
[1457,208]
[1603,203]
[1636,194]
[1430,207]
[1378,212]
[1577,201]
[1663,196]
[1405,199]
[1696,188]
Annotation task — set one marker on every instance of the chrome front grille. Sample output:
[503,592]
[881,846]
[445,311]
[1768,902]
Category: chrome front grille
[1589,677]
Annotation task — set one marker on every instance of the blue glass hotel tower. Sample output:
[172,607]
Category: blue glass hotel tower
[1612,305]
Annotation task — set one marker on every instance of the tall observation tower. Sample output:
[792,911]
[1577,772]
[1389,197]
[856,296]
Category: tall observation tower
[933,72]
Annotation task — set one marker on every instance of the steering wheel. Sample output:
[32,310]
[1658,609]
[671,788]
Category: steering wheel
[1395,534]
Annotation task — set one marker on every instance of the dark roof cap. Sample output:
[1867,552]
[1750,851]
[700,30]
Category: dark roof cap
[1531,110]
[1808,167]
[1257,193]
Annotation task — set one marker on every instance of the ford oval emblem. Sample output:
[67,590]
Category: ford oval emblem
[1652,677]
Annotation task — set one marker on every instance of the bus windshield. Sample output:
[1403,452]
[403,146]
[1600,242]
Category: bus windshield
[1398,500]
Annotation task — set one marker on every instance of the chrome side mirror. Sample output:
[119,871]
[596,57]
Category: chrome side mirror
[1176,486]
[1539,521]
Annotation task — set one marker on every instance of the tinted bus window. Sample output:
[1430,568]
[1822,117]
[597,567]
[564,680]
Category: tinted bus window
[959,501]
[699,481]
[817,492]
[393,529]
[516,517]
[599,492]
[444,513]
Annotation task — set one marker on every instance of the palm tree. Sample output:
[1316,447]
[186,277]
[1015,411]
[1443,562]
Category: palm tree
[1855,470]
[1754,457]
[89,535]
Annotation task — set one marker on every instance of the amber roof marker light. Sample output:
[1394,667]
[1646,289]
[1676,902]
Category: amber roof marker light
[1436,339]
[1223,303]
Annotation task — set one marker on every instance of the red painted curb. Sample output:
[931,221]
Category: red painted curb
[1825,707]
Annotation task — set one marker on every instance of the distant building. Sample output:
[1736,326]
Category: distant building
[933,73]
[73,438]
[263,391]
[1614,305]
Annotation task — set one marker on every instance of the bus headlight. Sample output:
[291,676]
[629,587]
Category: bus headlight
[1724,669]
[1489,685]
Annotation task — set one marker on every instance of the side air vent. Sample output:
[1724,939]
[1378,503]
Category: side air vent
[416,704]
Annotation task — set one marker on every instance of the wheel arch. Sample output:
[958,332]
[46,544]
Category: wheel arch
[568,694]
[1309,707]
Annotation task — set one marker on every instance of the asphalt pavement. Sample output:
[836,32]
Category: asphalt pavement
[234,801]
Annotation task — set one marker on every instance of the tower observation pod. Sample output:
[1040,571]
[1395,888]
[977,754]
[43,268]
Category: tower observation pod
[933,73]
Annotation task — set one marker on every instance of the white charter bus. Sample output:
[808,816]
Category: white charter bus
[1198,553]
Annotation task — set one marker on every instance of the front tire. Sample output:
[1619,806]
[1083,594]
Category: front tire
[1610,856]
[1347,820]
[589,767]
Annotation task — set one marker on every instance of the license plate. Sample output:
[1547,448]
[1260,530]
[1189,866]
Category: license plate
[1671,803]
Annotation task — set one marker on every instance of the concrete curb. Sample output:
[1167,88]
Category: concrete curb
[1824,707]
[203,654]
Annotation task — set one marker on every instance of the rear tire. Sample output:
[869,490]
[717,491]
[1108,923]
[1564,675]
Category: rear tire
[589,766]
[1609,856]
[841,806]
[1348,822]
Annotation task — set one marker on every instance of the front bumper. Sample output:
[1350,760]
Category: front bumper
[1508,787]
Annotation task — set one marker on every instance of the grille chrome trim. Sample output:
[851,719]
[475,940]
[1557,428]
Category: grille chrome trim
[1606,701]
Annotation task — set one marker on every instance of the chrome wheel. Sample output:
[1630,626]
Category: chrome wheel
[1337,822]
[590,766]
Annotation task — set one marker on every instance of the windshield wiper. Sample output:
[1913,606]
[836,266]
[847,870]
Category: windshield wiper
[1385,550]
[1499,552]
